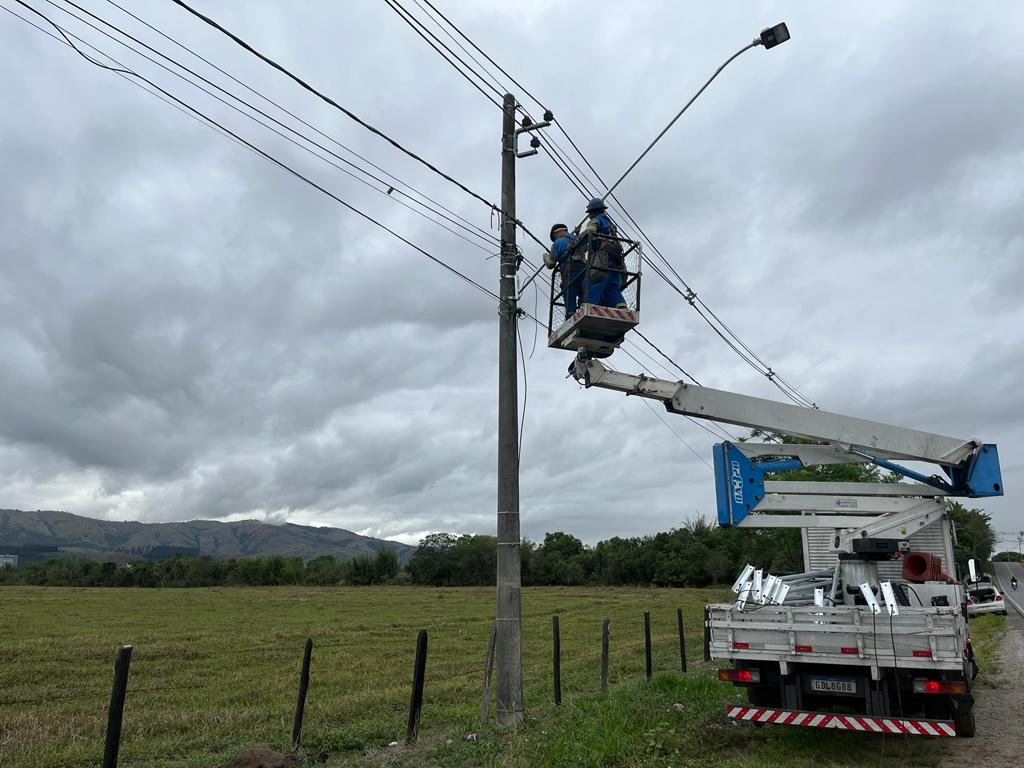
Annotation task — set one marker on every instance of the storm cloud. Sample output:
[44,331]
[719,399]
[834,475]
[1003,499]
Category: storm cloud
[190,332]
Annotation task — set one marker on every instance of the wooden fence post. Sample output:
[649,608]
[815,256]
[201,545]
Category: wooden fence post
[485,704]
[115,713]
[604,655]
[707,634]
[300,706]
[682,640]
[412,730]
[556,658]
[647,642]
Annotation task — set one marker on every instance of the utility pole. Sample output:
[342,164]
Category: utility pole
[508,647]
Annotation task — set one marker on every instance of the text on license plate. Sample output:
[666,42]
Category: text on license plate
[833,685]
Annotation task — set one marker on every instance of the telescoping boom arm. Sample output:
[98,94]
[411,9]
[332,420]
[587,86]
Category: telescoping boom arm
[971,468]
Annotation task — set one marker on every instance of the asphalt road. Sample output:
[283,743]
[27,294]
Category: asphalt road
[1003,573]
[999,706]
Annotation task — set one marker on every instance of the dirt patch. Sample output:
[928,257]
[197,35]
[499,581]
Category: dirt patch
[1000,739]
[262,757]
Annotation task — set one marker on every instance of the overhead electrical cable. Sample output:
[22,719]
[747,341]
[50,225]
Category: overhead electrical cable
[398,181]
[737,344]
[386,185]
[351,115]
[500,88]
[416,27]
[62,39]
[484,54]
[266,155]
[194,113]
[713,428]
[557,156]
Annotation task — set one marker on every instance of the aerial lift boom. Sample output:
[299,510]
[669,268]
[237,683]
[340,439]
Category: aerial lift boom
[971,467]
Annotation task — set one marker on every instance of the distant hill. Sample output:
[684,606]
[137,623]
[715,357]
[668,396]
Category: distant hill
[31,534]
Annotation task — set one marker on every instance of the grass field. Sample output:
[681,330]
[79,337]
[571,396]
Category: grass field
[216,670]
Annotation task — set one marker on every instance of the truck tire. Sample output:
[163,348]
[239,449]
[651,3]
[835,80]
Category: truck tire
[963,720]
[764,696]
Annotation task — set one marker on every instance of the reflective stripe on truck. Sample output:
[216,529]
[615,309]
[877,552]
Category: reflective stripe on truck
[842,722]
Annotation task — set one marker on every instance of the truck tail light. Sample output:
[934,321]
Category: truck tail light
[802,648]
[923,654]
[740,646]
[739,675]
[940,686]
[849,650]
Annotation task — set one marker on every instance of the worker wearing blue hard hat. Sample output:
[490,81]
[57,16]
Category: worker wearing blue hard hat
[605,258]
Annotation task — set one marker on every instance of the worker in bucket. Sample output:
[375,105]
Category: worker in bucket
[571,266]
[605,276]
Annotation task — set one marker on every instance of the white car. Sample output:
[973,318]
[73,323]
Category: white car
[984,598]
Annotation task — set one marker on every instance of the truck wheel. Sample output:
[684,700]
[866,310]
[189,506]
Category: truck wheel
[963,720]
[764,696]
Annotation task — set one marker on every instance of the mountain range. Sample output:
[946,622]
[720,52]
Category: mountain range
[41,534]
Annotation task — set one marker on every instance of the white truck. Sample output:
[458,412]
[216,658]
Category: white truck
[854,645]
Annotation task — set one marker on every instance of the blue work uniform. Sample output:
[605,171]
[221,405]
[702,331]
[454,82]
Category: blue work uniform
[603,285]
[571,268]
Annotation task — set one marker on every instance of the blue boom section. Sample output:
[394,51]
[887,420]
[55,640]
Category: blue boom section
[978,478]
[739,482]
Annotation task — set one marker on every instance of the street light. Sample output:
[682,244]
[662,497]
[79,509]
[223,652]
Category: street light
[776,35]
[769,38]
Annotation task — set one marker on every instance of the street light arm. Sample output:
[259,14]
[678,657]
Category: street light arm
[664,130]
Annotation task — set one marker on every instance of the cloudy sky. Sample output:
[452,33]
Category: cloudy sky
[190,332]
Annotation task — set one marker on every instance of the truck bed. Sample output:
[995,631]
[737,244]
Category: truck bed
[923,638]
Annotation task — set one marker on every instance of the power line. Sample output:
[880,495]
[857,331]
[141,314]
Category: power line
[737,344]
[351,115]
[63,41]
[484,54]
[712,428]
[387,186]
[294,116]
[560,161]
[281,164]
[500,86]
[416,26]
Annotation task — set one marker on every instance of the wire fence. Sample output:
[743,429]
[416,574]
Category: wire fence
[445,676]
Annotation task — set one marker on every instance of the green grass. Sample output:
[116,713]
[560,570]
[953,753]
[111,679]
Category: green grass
[242,649]
[215,671]
[985,632]
[671,721]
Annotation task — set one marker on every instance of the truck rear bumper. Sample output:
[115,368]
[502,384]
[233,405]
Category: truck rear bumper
[865,723]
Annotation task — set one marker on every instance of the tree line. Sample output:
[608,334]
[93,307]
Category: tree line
[695,555]
[276,570]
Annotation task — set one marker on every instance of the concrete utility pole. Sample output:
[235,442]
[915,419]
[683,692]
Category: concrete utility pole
[508,648]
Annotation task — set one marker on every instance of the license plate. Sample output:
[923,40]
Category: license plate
[834,685]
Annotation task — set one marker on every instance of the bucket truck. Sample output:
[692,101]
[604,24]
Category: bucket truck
[842,647]
[847,646]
